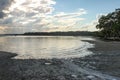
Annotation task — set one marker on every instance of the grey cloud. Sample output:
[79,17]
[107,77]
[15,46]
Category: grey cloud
[2,14]
[30,14]
[4,4]
[25,16]
[43,2]
[8,21]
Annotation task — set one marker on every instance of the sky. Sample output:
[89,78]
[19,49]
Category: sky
[19,16]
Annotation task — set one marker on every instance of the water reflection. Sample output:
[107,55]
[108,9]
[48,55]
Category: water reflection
[44,47]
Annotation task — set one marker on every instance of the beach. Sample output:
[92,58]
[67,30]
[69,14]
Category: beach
[103,64]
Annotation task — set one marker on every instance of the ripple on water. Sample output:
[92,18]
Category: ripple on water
[45,47]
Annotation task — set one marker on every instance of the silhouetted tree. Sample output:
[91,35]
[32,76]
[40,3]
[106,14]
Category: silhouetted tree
[109,25]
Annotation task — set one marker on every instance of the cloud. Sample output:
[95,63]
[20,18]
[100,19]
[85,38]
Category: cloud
[18,16]
[4,5]
[65,21]
[31,18]
[26,10]
[91,26]
[32,6]
[75,14]
[24,13]
[3,29]
[2,14]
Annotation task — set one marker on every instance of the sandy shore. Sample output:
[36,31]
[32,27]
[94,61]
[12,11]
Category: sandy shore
[104,64]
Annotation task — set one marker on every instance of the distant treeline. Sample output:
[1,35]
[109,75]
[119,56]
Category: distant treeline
[70,33]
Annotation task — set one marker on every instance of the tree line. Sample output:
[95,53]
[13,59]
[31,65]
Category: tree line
[69,33]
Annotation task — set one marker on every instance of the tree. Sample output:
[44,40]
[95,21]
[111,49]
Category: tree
[109,25]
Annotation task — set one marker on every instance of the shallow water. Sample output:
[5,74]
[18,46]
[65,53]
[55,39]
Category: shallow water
[45,46]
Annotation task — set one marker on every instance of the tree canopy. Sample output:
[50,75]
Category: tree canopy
[109,25]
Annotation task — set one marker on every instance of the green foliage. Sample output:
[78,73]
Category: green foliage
[109,25]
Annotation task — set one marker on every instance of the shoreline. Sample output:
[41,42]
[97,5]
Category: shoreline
[105,57]
[103,64]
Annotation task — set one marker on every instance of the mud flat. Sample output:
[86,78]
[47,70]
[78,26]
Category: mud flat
[106,58]
[39,69]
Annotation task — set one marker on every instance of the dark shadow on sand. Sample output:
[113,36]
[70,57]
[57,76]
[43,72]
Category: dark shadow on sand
[5,65]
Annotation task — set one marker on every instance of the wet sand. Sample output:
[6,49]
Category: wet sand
[106,57]
[38,69]
[104,64]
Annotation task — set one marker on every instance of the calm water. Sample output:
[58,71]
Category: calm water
[45,47]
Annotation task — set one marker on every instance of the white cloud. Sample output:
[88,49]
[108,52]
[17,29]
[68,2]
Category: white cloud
[89,26]
[26,13]
[65,21]
[35,6]
[75,14]
[92,25]
[36,15]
